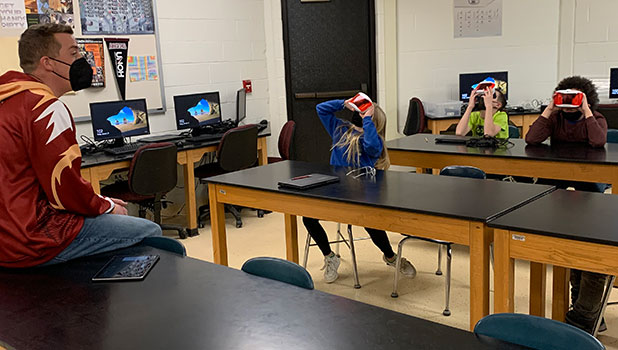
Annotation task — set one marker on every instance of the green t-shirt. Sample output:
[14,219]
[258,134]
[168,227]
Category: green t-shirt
[477,124]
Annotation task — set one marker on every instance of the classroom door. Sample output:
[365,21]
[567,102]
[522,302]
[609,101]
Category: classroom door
[329,48]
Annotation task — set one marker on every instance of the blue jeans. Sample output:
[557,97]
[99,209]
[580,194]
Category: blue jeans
[107,232]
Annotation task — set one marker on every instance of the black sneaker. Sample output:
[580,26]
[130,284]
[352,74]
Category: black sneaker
[575,320]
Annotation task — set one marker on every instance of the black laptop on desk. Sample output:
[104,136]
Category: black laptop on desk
[453,139]
[308,181]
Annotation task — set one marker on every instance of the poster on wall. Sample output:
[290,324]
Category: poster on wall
[116,17]
[142,68]
[477,18]
[93,51]
[49,11]
[118,49]
[12,15]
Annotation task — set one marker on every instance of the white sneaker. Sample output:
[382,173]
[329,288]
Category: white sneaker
[406,267]
[331,264]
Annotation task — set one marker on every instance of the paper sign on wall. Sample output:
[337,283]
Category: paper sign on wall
[142,68]
[477,18]
[12,14]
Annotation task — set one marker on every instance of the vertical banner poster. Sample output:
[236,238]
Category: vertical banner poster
[93,51]
[118,49]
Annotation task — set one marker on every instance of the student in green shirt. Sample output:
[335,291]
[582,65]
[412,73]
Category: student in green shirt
[491,121]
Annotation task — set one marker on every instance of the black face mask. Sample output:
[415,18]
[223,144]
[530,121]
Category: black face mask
[571,116]
[80,73]
[357,120]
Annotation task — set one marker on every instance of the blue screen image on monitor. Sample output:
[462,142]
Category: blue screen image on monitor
[118,119]
[195,110]
[466,80]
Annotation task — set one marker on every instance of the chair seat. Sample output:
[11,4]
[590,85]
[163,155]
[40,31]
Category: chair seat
[121,190]
[208,170]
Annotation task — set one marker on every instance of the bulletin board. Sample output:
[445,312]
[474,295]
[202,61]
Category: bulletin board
[93,21]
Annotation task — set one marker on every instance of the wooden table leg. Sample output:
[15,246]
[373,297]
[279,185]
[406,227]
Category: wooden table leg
[480,238]
[504,273]
[262,151]
[190,201]
[217,224]
[560,293]
[291,238]
[537,288]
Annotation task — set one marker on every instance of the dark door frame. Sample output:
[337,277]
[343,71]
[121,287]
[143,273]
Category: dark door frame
[286,55]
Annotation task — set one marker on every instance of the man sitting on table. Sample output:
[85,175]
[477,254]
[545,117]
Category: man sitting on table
[585,125]
[48,212]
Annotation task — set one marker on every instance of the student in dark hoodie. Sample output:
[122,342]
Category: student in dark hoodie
[48,212]
[582,124]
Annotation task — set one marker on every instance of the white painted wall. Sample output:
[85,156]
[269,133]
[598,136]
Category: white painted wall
[430,58]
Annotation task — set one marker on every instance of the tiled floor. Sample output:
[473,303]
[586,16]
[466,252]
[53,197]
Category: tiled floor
[422,297]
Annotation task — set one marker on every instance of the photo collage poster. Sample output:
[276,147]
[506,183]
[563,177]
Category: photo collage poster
[94,52]
[49,11]
[116,17]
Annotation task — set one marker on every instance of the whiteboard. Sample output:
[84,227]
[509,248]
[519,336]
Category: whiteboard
[78,103]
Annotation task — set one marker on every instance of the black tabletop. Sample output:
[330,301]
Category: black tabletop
[556,151]
[101,158]
[510,112]
[190,304]
[577,215]
[469,199]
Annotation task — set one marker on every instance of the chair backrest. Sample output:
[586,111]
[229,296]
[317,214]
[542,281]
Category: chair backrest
[612,135]
[513,132]
[286,140]
[415,121]
[153,169]
[165,243]
[280,270]
[536,332]
[463,171]
[238,148]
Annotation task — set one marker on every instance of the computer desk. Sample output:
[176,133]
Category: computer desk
[445,208]
[521,119]
[567,229]
[561,161]
[99,166]
[185,303]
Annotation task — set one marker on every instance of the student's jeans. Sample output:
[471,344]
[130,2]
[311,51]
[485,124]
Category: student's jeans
[107,232]
[586,287]
[315,229]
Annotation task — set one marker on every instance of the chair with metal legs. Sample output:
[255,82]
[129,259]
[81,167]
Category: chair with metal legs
[459,171]
[340,239]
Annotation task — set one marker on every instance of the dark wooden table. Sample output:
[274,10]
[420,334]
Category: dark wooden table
[445,208]
[190,304]
[567,229]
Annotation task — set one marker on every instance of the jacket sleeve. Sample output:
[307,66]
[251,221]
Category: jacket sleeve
[326,112]
[597,130]
[372,144]
[539,131]
[56,159]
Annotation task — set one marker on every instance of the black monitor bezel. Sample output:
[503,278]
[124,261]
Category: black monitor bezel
[613,71]
[485,75]
[94,132]
[238,118]
[176,111]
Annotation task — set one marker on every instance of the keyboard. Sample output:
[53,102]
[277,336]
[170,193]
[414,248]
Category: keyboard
[204,138]
[125,149]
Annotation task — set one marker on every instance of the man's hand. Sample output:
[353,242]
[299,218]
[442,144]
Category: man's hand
[585,107]
[549,109]
[119,207]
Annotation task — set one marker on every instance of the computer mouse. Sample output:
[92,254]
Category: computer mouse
[264,122]
[179,143]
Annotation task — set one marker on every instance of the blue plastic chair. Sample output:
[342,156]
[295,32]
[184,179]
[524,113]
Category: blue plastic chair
[612,135]
[165,243]
[279,270]
[453,170]
[513,132]
[536,332]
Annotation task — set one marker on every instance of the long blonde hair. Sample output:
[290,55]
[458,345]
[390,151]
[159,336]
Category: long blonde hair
[350,140]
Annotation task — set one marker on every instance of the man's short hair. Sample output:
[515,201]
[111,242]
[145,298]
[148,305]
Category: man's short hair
[38,41]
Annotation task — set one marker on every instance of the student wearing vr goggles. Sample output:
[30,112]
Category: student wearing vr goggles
[357,144]
[490,119]
[571,116]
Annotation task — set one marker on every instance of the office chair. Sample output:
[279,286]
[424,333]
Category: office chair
[612,135]
[165,243]
[536,332]
[415,121]
[285,143]
[152,174]
[237,150]
[279,270]
[454,170]
[610,112]
[514,132]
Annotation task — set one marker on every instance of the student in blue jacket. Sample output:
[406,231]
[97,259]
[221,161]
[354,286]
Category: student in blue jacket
[356,144]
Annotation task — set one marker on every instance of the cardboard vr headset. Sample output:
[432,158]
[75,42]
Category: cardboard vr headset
[568,98]
[360,102]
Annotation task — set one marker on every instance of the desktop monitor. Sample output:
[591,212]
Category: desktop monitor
[466,80]
[195,110]
[241,105]
[613,83]
[119,119]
